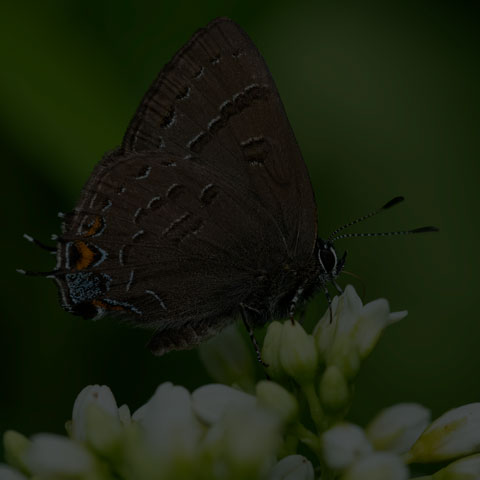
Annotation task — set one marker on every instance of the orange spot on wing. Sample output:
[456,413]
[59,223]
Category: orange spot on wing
[99,303]
[86,255]
[97,224]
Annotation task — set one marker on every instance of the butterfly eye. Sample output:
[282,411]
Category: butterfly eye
[328,259]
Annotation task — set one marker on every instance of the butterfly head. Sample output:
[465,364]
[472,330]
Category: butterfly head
[330,265]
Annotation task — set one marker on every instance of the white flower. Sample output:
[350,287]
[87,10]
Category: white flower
[293,467]
[397,428]
[246,439]
[467,468]
[228,359]
[15,445]
[99,395]
[343,444]
[8,473]
[377,466]
[274,397]
[96,420]
[456,433]
[271,351]
[333,390]
[211,402]
[298,355]
[169,424]
[51,455]
[374,318]
[124,415]
[354,331]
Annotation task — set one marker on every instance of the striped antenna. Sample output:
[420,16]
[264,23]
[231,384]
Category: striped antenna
[385,234]
[391,203]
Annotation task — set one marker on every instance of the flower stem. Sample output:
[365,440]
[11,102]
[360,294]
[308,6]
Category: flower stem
[316,409]
[311,440]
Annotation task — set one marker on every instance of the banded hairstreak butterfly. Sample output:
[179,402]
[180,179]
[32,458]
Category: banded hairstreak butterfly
[206,211]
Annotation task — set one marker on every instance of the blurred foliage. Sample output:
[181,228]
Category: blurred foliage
[384,100]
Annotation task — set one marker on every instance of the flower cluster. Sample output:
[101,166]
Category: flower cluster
[289,427]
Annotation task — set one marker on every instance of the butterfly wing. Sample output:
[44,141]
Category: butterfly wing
[207,193]
[166,242]
[216,101]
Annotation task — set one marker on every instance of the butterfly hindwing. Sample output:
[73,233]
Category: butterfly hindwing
[159,239]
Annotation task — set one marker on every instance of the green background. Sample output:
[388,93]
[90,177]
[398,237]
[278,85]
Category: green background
[384,100]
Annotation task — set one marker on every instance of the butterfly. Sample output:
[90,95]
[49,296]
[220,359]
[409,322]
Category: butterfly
[205,212]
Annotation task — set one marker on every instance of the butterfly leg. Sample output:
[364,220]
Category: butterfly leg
[293,305]
[329,300]
[38,243]
[249,328]
[337,286]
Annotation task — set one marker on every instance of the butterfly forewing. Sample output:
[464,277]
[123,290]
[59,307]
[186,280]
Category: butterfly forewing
[216,101]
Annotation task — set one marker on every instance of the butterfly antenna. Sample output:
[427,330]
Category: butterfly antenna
[385,234]
[391,203]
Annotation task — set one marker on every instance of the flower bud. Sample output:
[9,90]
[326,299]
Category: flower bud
[344,444]
[211,402]
[103,430]
[293,467]
[169,424]
[275,398]
[298,354]
[354,331]
[377,466]
[333,390]
[52,455]
[227,358]
[271,351]
[374,318]
[15,445]
[397,428]
[8,473]
[99,395]
[324,331]
[456,433]
[245,439]
[467,468]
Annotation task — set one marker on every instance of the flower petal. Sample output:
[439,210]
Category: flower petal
[456,433]
[467,468]
[169,423]
[15,445]
[377,466]
[100,395]
[51,454]
[210,402]
[375,317]
[228,359]
[273,396]
[333,390]
[397,428]
[247,438]
[8,473]
[344,444]
[293,467]
[298,355]
[271,351]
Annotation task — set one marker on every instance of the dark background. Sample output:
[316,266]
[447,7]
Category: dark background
[384,100]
